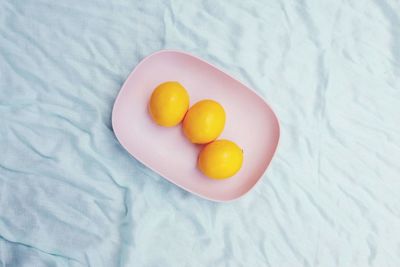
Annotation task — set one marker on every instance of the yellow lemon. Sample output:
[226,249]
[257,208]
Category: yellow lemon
[220,159]
[204,122]
[168,104]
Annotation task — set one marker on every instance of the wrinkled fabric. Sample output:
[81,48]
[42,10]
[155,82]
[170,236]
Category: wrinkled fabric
[71,196]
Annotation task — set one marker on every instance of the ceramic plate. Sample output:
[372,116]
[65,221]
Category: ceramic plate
[250,123]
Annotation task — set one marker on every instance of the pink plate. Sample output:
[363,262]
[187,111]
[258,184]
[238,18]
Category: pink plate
[250,123]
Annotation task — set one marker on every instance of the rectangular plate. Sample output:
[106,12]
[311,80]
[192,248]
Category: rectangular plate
[250,122]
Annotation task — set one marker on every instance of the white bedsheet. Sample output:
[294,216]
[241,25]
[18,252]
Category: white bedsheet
[71,196]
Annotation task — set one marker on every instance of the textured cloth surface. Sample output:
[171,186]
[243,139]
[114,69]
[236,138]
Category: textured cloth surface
[71,196]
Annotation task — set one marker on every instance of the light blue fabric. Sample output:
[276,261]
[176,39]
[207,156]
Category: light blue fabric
[71,196]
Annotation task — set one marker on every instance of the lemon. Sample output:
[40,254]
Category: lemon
[168,104]
[220,159]
[204,122]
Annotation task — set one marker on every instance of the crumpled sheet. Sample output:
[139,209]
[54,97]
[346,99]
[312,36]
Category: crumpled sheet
[71,196]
